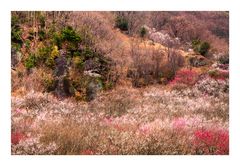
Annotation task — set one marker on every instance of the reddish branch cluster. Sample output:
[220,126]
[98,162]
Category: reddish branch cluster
[185,76]
[16,137]
[212,141]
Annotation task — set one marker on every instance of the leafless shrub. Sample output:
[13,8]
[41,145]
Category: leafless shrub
[134,19]
[146,64]
[33,81]
[175,60]
[32,101]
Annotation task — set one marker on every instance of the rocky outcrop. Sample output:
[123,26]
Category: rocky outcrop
[15,57]
[197,60]
[92,74]
[92,88]
[61,64]
[62,87]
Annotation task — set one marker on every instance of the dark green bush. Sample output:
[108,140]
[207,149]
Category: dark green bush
[204,47]
[42,21]
[27,43]
[41,35]
[16,35]
[76,53]
[57,39]
[69,34]
[200,47]
[43,53]
[121,23]
[16,30]
[224,59]
[31,61]
[88,53]
[14,20]
[143,32]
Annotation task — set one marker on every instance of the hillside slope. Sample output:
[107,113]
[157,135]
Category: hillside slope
[119,83]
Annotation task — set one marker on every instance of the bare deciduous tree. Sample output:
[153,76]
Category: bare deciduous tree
[146,64]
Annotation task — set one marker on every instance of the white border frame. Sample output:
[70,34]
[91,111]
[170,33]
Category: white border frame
[111,5]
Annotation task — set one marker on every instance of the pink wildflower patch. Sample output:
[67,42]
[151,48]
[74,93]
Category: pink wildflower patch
[144,129]
[108,121]
[179,123]
[18,110]
[212,141]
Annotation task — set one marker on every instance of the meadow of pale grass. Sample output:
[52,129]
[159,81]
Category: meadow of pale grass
[152,120]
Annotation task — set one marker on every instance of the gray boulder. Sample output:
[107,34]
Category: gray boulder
[92,89]
[63,86]
[198,61]
[16,57]
[61,64]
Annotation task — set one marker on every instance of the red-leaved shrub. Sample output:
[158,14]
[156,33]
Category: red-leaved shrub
[211,142]
[16,137]
[185,76]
